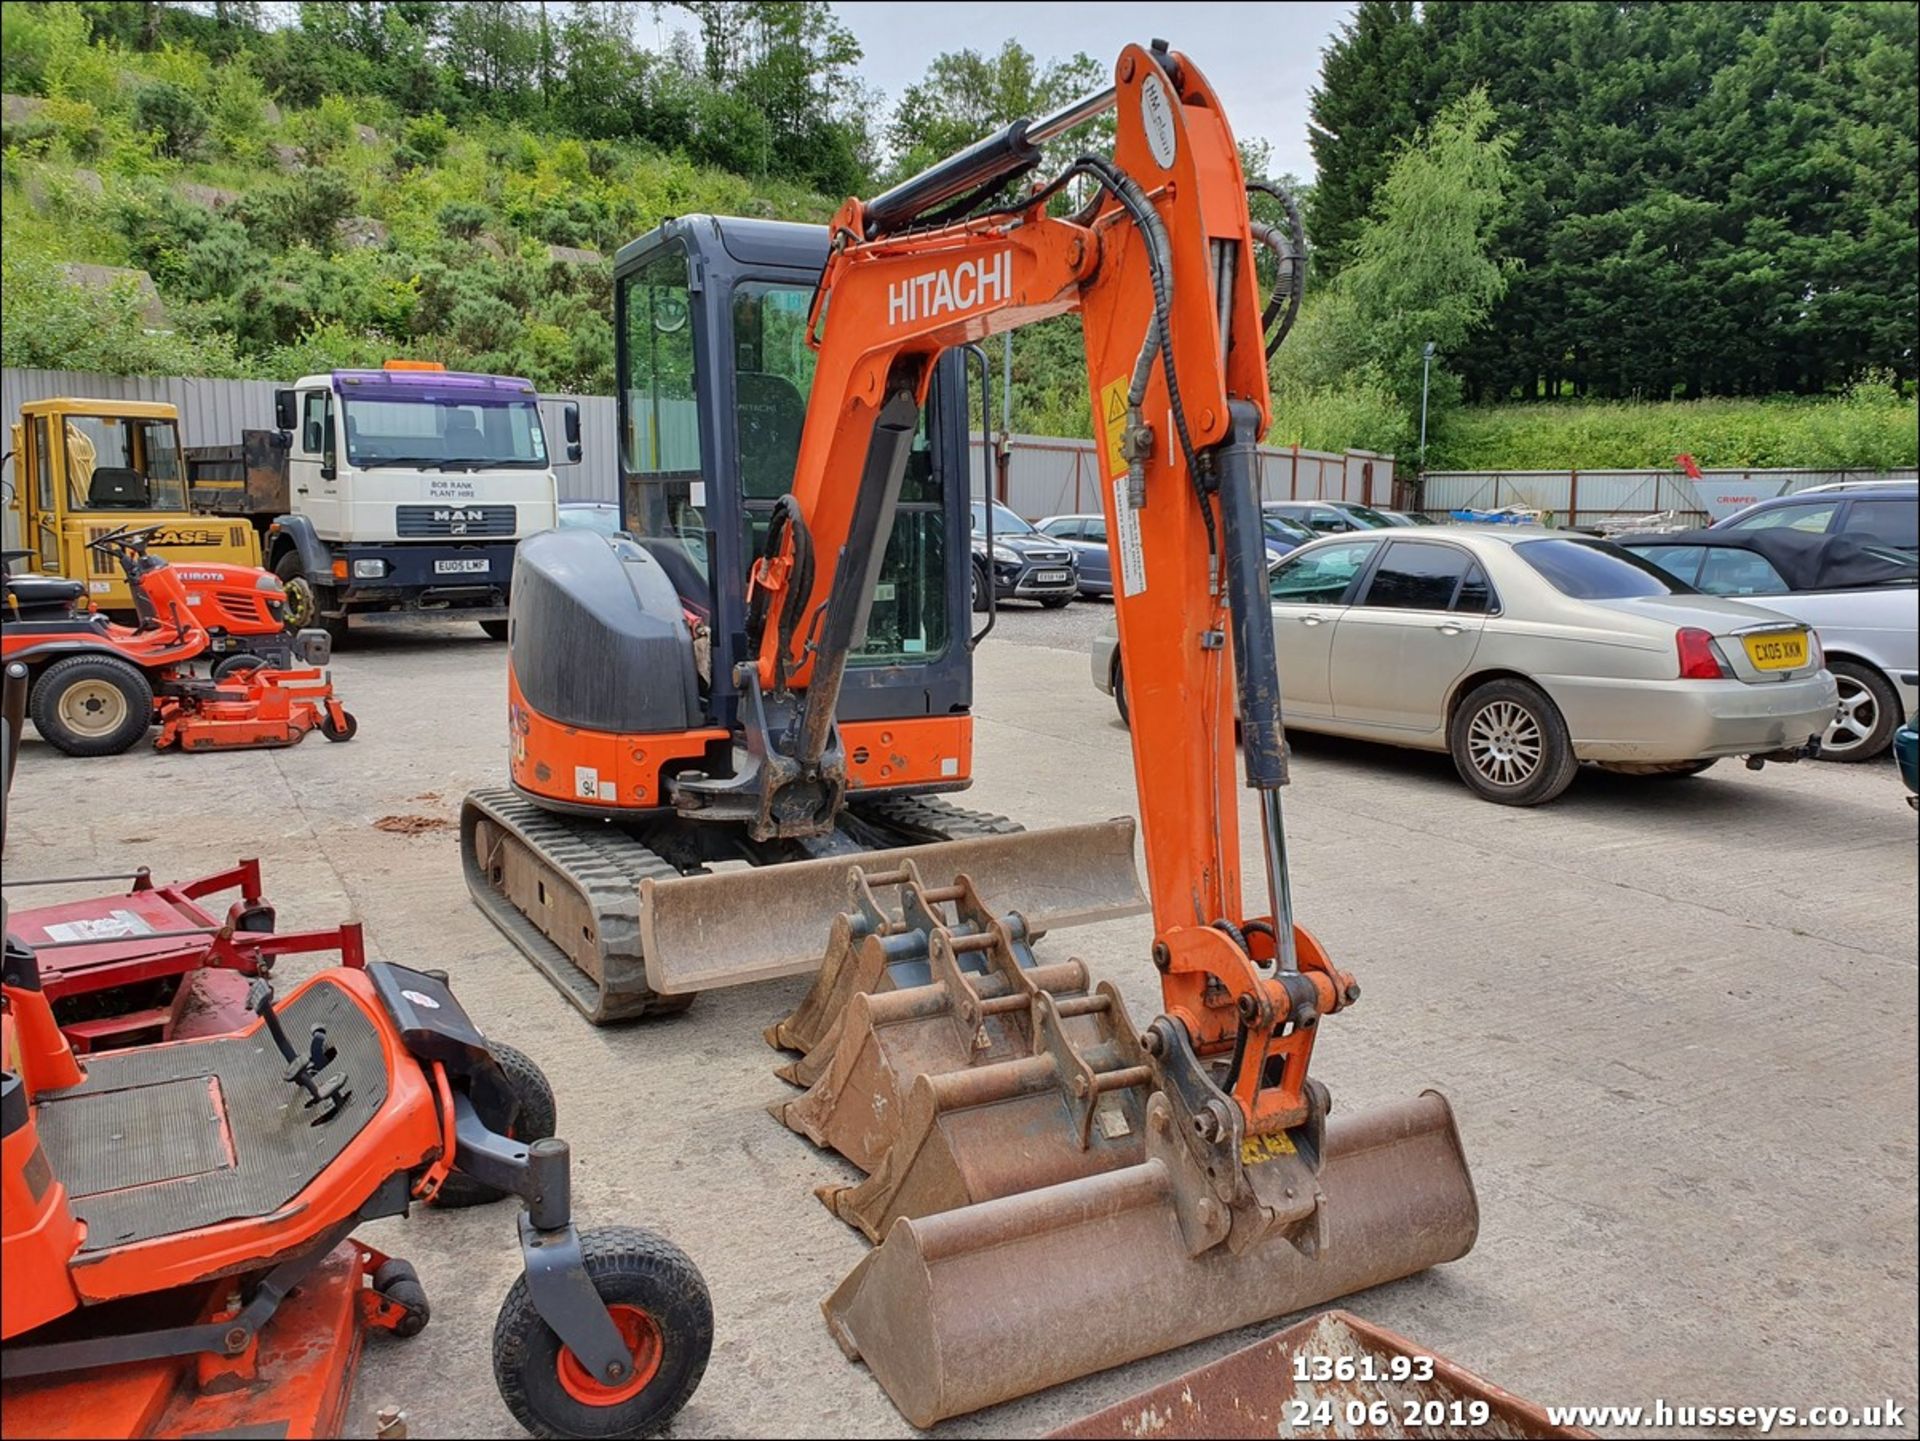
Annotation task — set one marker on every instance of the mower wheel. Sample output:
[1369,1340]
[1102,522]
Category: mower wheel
[258,918]
[339,733]
[536,1117]
[92,705]
[235,665]
[397,1281]
[659,1302]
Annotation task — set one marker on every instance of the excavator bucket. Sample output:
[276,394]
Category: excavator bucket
[1027,1181]
[1376,1383]
[970,1307]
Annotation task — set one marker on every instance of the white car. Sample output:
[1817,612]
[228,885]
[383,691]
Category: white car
[1524,652]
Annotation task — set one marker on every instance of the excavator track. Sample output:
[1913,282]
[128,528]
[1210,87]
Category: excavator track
[568,892]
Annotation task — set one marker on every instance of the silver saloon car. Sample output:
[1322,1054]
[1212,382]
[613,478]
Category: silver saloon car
[1524,652]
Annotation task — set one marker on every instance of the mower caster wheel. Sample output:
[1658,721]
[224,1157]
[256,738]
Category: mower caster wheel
[339,733]
[258,919]
[536,1118]
[396,1281]
[659,1302]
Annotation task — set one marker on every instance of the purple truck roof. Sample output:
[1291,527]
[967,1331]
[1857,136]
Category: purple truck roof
[430,385]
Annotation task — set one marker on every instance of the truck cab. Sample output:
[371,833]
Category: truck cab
[85,467]
[408,489]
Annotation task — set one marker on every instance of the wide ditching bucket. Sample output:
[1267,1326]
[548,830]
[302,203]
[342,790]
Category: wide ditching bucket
[1039,1211]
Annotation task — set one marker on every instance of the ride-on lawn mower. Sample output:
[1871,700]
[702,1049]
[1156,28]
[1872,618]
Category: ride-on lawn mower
[97,686]
[176,1250]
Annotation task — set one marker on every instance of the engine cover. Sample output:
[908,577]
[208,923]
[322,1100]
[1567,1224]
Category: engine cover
[599,637]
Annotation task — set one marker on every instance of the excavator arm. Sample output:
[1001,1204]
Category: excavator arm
[1160,268]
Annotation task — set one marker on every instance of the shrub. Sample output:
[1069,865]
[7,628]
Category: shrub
[50,324]
[170,112]
[464,218]
[427,136]
[297,209]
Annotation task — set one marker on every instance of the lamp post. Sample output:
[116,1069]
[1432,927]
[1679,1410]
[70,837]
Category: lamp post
[1426,372]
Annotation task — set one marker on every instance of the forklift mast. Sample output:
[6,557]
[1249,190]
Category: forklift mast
[715,373]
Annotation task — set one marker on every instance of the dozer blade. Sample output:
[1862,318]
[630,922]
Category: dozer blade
[726,929]
[966,1308]
[1251,1395]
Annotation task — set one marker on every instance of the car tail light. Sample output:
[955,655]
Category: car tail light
[1698,659]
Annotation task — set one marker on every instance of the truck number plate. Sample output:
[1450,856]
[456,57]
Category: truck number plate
[460,567]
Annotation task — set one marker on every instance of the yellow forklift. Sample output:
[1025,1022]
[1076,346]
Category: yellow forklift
[86,467]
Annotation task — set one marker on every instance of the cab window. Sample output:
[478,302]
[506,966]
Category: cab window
[43,462]
[1320,576]
[773,376]
[316,424]
[117,463]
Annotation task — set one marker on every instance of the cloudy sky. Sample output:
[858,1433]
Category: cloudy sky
[1261,58]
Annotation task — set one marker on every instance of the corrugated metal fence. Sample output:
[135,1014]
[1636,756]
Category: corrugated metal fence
[1046,476]
[214,412]
[1049,475]
[1580,497]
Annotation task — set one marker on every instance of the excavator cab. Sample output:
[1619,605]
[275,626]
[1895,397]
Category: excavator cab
[710,317]
[630,666]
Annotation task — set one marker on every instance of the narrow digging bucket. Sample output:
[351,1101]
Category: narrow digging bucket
[969,1307]
[959,1136]
[732,927]
[1252,1394]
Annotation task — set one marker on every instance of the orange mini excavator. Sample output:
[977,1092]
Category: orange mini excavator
[1053,1190]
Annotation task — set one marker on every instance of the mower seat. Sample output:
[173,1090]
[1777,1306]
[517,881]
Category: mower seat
[39,597]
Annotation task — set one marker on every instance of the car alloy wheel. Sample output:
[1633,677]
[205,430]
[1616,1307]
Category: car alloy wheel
[1505,744]
[1855,722]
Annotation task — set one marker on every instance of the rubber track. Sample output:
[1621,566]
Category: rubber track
[606,865]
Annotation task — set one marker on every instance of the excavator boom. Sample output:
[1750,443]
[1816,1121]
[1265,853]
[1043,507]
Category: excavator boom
[1014,1126]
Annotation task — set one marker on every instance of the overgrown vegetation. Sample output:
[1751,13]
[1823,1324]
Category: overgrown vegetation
[1870,426]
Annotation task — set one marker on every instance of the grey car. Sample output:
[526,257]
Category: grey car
[1086,537]
[1019,563]
[1524,652]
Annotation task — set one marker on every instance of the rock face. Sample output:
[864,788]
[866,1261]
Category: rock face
[107,277]
[573,255]
[270,113]
[211,196]
[14,108]
[366,134]
[88,180]
[490,245]
[289,157]
[361,232]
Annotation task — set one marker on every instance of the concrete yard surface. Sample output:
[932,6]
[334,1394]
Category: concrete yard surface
[1676,1019]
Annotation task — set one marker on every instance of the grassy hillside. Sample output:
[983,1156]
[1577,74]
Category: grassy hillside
[284,240]
[1872,426]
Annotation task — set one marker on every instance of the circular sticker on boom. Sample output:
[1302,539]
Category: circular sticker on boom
[1156,118]
[421,998]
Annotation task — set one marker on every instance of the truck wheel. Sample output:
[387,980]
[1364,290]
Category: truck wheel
[305,600]
[92,705]
[495,629]
[659,1302]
